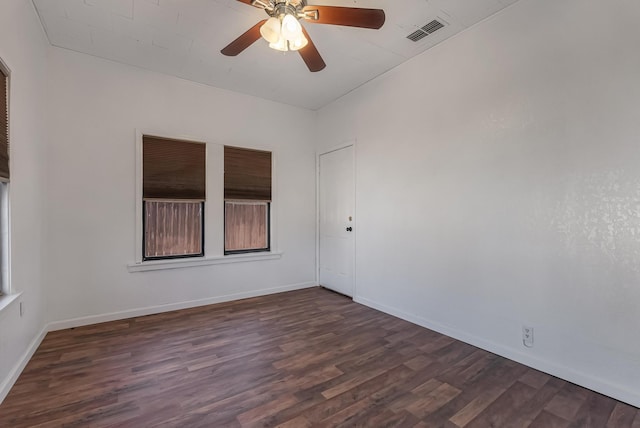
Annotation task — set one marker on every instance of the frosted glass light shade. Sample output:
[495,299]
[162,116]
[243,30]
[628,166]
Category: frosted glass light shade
[298,43]
[270,31]
[280,45]
[291,28]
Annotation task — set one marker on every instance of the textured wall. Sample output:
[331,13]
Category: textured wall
[95,108]
[23,48]
[498,185]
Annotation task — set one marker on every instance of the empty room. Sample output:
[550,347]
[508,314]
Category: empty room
[261,213]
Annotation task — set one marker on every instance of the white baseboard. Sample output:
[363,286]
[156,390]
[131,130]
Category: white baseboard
[597,384]
[618,392]
[7,384]
[149,310]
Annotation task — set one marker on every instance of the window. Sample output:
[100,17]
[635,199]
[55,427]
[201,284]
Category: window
[173,192]
[4,179]
[172,219]
[246,226]
[247,200]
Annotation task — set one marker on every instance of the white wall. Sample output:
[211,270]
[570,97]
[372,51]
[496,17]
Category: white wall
[498,185]
[23,49]
[95,108]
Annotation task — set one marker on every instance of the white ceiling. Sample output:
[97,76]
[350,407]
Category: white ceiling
[183,38]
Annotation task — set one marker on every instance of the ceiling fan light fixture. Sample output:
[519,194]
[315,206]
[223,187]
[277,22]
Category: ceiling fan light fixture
[280,45]
[291,28]
[271,30]
[283,32]
[298,43]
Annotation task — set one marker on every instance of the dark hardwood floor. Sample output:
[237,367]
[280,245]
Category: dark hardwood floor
[304,358]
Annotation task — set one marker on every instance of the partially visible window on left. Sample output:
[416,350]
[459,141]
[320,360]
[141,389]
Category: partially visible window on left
[4,179]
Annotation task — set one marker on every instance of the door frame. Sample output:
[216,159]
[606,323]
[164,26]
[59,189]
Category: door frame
[349,143]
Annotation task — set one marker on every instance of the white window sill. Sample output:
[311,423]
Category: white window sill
[7,299]
[201,261]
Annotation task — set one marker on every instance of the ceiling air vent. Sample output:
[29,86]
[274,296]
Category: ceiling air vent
[425,30]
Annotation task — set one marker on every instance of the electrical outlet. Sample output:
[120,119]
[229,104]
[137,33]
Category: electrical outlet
[527,336]
[21,309]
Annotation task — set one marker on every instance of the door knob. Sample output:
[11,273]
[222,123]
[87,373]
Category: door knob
[349,229]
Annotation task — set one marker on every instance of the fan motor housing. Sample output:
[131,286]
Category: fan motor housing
[282,7]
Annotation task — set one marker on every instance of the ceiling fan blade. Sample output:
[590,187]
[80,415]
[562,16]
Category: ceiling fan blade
[244,41]
[310,55]
[349,16]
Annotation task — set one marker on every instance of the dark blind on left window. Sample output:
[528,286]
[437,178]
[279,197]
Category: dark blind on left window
[4,127]
[173,169]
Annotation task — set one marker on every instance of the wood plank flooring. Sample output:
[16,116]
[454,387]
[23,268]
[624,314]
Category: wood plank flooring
[298,359]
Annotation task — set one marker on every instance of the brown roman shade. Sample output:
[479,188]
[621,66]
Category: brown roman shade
[4,127]
[173,169]
[247,174]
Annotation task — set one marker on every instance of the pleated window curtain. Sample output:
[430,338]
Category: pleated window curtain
[173,188]
[247,174]
[173,169]
[4,127]
[247,195]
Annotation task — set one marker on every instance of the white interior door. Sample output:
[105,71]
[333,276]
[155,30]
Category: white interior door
[337,221]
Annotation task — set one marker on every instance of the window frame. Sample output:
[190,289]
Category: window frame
[268,226]
[240,190]
[6,288]
[5,241]
[176,256]
[141,199]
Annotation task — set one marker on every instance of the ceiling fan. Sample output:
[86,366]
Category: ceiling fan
[283,30]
